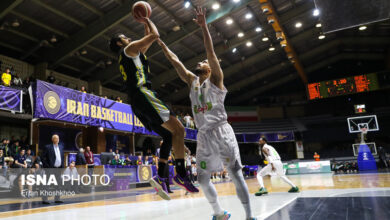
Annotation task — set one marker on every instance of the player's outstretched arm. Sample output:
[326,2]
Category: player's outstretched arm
[216,71]
[184,74]
[144,43]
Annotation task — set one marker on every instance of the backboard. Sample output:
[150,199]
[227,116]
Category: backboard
[355,124]
[370,145]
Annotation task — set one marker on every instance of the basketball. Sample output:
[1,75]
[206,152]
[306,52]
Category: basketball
[141,9]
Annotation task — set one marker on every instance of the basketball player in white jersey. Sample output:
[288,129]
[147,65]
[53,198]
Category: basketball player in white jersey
[216,144]
[274,165]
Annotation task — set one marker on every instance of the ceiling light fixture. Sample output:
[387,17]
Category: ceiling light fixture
[187,4]
[298,24]
[234,50]
[248,16]
[229,21]
[249,44]
[318,25]
[258,29]
[271,48]
[362,28]
[15,23]
[316,12]
[53,39]
[216,6]
[240,34]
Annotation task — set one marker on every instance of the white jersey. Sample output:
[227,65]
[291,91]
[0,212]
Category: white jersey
[207,102]
[273,154]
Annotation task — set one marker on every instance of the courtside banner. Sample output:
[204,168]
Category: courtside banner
[64,104]
[10,99]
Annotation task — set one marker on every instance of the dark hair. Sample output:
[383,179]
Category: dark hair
[113,43]
[264,139]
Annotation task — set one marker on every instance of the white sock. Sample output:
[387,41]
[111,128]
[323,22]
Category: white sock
[210,192]
[242,190]
[288,181]
[260,180]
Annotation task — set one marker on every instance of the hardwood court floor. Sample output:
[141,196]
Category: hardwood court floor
[144,204]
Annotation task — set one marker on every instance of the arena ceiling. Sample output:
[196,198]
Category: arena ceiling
[72,37]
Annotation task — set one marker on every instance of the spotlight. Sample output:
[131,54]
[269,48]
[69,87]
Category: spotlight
[53,39]
[101,129]
[83,51]
[15,23]
[108,62]
[176,28]
[258,29]
[248,44]
[298,24]
[240,34]
[248,16]
[236,1]
[234,50]
[271,19]
[279,36]
[271,48]
[265,8]
[318,25]
[187,4]
[229,21]
[316,12]
[265,38]
[283,44]
[362,28]
[216,6]
[322,36]
[290,56]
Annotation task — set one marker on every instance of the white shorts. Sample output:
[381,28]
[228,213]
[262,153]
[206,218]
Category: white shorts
[267,170]
[217,148]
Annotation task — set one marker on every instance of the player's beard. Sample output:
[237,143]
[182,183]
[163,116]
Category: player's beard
[198,71]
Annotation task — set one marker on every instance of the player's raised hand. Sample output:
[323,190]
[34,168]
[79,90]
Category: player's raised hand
[200,16]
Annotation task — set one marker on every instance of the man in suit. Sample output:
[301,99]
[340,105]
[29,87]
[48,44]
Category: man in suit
[53,158]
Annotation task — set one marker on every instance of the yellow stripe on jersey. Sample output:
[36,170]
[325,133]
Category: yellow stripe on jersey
[156,103]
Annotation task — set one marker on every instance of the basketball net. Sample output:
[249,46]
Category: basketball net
[363,134]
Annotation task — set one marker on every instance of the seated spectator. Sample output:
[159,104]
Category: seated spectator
[139,161]
[192,125]
[51,78]
[170,160]
[29,158]
[17,81]
[128,161]
[147,160]
[27,82]
[83,89]
[6,77]
[20,160]
[117,161]
[118,99]
[117,153]
[71,171]
[80,158]
[3,168]
[4,146]
[14,150]
[155,161]
[316,156]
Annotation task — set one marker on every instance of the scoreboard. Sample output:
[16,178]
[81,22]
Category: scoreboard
[344,86]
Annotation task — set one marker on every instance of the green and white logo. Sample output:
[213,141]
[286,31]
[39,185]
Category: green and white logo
[203,164]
